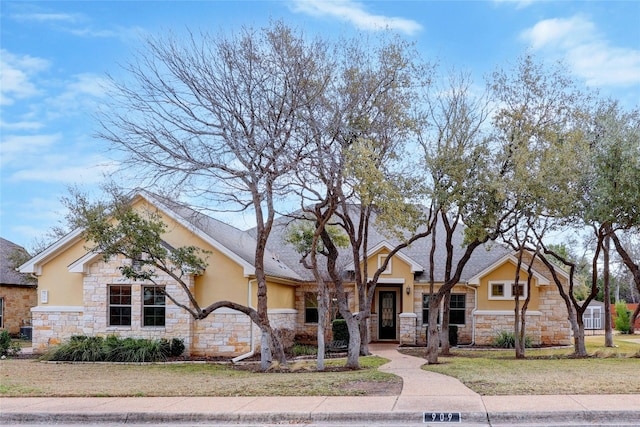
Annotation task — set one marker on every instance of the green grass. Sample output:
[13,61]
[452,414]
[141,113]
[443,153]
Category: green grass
[28,377]
[547,371]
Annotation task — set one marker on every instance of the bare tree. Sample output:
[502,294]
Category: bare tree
[218,117]
[463,189]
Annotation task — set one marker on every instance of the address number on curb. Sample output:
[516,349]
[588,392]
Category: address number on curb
[442,417]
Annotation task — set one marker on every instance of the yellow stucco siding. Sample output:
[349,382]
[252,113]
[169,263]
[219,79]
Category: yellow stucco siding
[63,288]
[223,278]
[505,273]
[399,273]
[279,295]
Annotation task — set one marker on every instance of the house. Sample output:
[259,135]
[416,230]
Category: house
[593,316]
[17,292]
[82,294]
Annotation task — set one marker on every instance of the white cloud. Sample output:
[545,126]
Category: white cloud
[355,13]
[63,169]
[79,95]
[16,148]
[586,50]
[16,72]
[46,17]
[20,126]
[520,4]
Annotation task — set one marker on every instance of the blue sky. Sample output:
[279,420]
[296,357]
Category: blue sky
[55,55]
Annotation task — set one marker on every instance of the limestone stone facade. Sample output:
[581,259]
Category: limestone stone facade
[225,332]
[17,301]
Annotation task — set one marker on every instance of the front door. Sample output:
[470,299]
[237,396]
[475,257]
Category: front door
[387,320]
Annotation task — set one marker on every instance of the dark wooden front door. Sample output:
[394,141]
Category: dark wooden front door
[387,320]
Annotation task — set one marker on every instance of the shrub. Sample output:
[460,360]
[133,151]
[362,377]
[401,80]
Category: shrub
[340,330]
[7,347]
[303,350]
[173,348]
[114,349]
[506,339]
[287,337]
[623,318]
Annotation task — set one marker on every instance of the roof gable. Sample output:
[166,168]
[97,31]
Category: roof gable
[237,245]
[414,265]
[509,258]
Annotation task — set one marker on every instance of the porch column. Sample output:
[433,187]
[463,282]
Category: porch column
[408,328]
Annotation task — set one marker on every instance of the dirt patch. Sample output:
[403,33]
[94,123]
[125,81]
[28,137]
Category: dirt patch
[368,388]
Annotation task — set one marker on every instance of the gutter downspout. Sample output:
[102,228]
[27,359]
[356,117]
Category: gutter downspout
[251,340]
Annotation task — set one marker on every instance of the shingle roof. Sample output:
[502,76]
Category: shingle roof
[8,275]
[241,243]
[482,257]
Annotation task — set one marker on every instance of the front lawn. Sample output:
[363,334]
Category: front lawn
[29,377]
[547,371]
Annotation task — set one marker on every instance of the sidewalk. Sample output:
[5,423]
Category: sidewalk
[424,395]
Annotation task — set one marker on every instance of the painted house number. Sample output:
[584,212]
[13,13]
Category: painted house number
[442,417]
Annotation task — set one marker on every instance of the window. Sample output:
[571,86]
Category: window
[120,305]
[497,290]
[517,290]
[311,307]
[153,306]
[425,309]
[457,309]
[1,312]
[381,260]
[502,290]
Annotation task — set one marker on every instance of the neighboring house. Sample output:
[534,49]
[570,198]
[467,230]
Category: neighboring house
[593,316]
[80,293]
[17,291]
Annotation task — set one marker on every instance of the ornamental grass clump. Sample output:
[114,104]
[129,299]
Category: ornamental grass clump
[115,349]
[506,339]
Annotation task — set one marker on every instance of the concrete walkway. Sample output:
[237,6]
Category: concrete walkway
[425,396]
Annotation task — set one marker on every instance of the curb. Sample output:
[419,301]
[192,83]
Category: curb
[547,418]
[575,418]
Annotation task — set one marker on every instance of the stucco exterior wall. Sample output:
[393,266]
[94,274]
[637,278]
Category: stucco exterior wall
[505,273]
[17,302]
[64,288]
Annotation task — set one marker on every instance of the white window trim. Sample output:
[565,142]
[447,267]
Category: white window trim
[381,259]
[507,290]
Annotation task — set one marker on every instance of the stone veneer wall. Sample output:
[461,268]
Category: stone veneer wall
[226,332]
[407,328]
[223,333]
[490,323]
[52,325]
[178,323]
[17,301]
[546,326]
[555,329]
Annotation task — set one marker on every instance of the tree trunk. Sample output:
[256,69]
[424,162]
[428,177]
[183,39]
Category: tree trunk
[608,327]
[634,316]
[323,308]
[364,332]
[580,348]
[265,351]
[445,345]
[433,337]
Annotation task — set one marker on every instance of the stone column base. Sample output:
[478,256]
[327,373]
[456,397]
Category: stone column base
[408,328]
